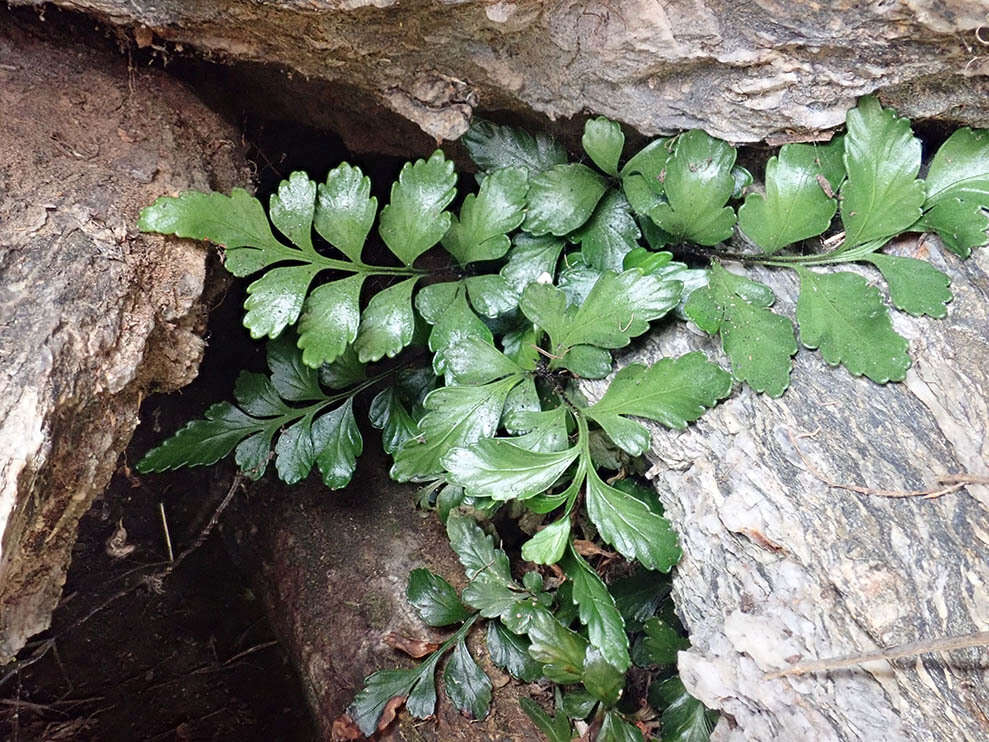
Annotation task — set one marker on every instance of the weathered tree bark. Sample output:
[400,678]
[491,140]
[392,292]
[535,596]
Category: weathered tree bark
[779,567]
[743,71]
[93,315]
[331,568]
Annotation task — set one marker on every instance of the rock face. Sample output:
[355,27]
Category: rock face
[742,71]
[779,567]
[93,315]
[331,568]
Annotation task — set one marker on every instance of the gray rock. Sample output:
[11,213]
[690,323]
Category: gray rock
[93,315]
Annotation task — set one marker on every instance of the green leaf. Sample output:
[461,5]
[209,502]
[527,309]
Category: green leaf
[485,219]
[562,199]
[610,234]
[629,525]
[345,371]
[491,295]
[294,451]
[292,208]
[434,599]
[673,391]
[845,318]
[414,219]
[795,206]
[549,544]
[530,258]
[957,205]
[445,306]
[466,684]
[650,161]
[659,645]
[605,625]
[685,719]
[275,300]
[544,430]
[560,650]
[603,141]
[616,729]
[698,184]
[490,596]
[329,320]
[257,396]
[602,679]
[457,416]
[499,469]
[345,210]
[292,379]
[556,728]
[882,196]
[202,442]
[379,689]
[476,550]
[759,342]
[638,597]
[473,360]
[234,221]
[618,308]
[510,652]
[578,704]
[493,147]
[389,414]
[915,286]
[388,323]
[337,443]
[253,453]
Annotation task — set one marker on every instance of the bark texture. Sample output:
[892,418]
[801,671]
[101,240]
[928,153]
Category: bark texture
[94,314]
[779,567]
[742,71]
[332,568]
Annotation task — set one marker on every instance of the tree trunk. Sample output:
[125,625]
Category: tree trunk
[742,71]
[94,315]
[780,567]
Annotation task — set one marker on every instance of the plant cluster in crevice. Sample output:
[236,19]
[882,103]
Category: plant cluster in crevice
[477,333]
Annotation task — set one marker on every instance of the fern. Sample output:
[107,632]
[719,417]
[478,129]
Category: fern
[555,265]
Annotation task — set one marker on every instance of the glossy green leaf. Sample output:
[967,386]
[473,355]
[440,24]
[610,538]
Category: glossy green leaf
[254,452]
[485,219]
[388,323]
[237,222]
[345,210]
[659,645]
[698,183]
[530,258]
[499,469]
[476,550]
[337,443]
[414,219]
[845,318]
[473,360]
[330,318]
[578,704]
[390,415]
[796,205]
[556,728]
[560,650]
[456,416]
[510,652]
[379,689]
[602,679]
[294,451]
[275,300]
[915,286]
[493,147]
[434,599]
[673,391]
[638,596]
[957,205]
[629,525]
[616,729]
[343,372]
[758,341]
[292,208]
[543,430]
[549,544]
[603,141]
[882,196]
[445,307]
[610,233]
[491,295]
[685,719]
[466,684]
[292,379]
[650,161]
[256,395]
[562,198]
[202,442]
[605,625]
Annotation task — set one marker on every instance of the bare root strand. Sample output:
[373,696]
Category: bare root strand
[946,483]
[912,649]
